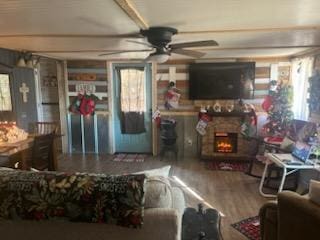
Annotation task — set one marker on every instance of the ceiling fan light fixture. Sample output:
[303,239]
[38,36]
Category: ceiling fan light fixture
[159,57]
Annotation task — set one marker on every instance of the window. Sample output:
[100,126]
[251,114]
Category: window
[301,71]
[133,92]
[5,95]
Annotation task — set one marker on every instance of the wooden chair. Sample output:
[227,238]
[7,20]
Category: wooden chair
[42,152]
[40,128]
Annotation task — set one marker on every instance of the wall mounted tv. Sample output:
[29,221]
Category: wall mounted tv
[225,80]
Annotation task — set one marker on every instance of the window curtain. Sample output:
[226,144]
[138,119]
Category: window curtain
[5,95]
[132,99]
[301,71]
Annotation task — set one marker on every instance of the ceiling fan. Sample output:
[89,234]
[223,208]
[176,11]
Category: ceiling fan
[159,40]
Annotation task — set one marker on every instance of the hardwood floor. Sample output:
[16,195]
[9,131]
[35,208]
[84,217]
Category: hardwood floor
[235,194]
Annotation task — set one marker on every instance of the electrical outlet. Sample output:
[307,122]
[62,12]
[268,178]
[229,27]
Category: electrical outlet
[189,142]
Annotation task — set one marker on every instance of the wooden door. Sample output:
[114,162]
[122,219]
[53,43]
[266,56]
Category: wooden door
[132,143]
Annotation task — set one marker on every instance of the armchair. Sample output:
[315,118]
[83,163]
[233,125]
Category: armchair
[292,217]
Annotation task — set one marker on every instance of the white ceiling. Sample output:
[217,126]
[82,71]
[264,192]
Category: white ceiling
[243,28]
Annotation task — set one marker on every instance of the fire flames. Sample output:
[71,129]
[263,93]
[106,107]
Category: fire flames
[224,147]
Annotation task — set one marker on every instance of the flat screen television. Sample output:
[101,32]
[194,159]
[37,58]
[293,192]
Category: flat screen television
[225,80]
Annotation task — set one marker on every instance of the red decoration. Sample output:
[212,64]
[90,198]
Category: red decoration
[205,117]
[267,103]
[87,106]
[83,104]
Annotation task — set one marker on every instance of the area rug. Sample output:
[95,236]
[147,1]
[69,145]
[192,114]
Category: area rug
[124,157]
[227,166]
[250,227]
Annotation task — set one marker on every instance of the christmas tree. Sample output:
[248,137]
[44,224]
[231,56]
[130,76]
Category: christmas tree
[278,106]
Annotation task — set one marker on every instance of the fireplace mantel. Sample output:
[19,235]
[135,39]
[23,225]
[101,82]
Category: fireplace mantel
[228,114]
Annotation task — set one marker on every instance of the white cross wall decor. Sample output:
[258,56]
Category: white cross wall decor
[172,74]
[24,90]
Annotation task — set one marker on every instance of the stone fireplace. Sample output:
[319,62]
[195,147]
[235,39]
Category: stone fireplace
[224,140]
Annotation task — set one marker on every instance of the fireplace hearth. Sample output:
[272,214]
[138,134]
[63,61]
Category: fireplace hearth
[225,142]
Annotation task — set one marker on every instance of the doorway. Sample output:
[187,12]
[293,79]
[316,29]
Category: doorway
[132,108]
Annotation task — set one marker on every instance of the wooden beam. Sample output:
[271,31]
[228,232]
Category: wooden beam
[306,53]
[111,136]
[154,107]
[241,59]
[132,12]
[275,29]
[146,50]
[265,59]
[90,50]
[126,4]
[259,47]
[63,103]
[129,35]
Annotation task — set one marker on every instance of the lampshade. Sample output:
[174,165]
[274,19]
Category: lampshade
[158,57]
[21,62]
[29,63]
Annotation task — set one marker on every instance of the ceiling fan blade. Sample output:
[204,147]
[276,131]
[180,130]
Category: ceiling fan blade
[125,51]
[189,53]
[193,44]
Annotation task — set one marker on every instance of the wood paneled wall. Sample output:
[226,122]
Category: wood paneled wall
[49,90]
[88,134]
[95,72]
[262,79]
[89,72]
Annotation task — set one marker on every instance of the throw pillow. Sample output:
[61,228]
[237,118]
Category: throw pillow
[79,197]
[6,169]
[158,193]
[314,191]
[163,172]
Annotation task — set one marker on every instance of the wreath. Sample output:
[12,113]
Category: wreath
[83,104]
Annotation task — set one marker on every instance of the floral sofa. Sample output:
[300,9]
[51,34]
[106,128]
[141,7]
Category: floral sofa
[52,205]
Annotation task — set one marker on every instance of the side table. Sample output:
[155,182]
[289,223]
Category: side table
[288,169]
[203,224]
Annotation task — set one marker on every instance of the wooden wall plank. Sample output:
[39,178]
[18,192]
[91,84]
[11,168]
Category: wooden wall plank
[87,64]
[87,76]
[261,86]
[262,72]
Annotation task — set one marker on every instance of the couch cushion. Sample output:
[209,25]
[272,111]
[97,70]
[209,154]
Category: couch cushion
[314,191]
[6,169]
[158,193]
[75,197]
[178,201]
